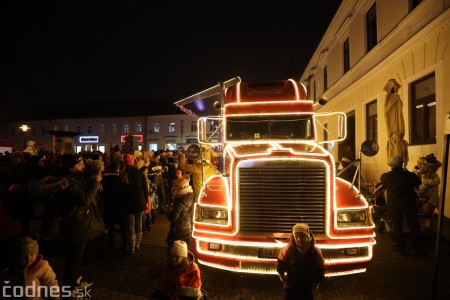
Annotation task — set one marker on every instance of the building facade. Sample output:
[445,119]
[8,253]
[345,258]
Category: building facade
[154,132]
[370,45]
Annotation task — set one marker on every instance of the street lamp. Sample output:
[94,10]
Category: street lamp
[24,129]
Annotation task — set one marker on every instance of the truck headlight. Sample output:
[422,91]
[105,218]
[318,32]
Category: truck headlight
[213,215]
[349,218]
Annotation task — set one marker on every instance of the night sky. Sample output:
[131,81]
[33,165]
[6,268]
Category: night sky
[85,51]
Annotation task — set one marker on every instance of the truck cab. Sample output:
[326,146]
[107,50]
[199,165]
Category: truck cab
[274,174]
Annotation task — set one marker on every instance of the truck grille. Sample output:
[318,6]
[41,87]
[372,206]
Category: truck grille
[274,197]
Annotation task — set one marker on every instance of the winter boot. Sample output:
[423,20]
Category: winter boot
[131,244]
[137,247]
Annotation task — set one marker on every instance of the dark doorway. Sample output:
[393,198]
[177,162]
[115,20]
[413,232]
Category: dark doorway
[347,148]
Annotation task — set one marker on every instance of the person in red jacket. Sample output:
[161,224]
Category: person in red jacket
[180,278]
[300,264]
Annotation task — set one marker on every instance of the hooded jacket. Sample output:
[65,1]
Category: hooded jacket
[303,269]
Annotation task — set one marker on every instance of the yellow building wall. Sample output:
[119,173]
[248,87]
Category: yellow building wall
[427,56]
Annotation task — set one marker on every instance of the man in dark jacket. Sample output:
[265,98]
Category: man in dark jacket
[401,202]
[300,264]
[81,192]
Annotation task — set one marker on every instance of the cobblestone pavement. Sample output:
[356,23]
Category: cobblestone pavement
[119,276]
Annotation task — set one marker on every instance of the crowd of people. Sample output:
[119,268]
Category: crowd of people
[86,196]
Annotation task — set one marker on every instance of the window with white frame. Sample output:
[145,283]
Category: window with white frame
[78,128]
[171,127]
[138,128]
[89,129]
[423,110]
[101,128]
[126,128]
[156,127]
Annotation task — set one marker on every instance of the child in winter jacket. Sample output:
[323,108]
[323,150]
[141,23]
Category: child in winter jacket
[300,264]
[31,271]
[180,278]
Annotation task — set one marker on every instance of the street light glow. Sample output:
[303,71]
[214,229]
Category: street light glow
[25,128]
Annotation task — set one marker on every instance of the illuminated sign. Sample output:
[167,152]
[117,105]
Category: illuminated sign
[140,138]
[89,139]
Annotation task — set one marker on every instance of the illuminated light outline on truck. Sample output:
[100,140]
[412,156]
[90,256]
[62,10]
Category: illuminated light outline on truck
[229,206]
[327,261]
[294,84]
[256,259]
[355,271]
[236,177]
[268,141]
[274,272]
[237,270]
[230,199]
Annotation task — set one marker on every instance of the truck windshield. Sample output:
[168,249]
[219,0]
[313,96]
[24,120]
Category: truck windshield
[269,127]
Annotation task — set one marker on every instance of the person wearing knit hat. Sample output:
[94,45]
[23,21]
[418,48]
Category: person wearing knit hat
[180,277]
[301,228]
[30,269]
[81,194]
[300,264]
[128,159]
[95,168]
[71,160]
[27,249]
[180,215]
[179,248]
[395,162]
[401,186]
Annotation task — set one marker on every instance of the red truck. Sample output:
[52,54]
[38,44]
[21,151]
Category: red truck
[274,173]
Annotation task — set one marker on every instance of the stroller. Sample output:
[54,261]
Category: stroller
[385,224]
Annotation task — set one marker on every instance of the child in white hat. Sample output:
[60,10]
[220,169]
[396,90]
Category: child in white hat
[300,264]
[180,278]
